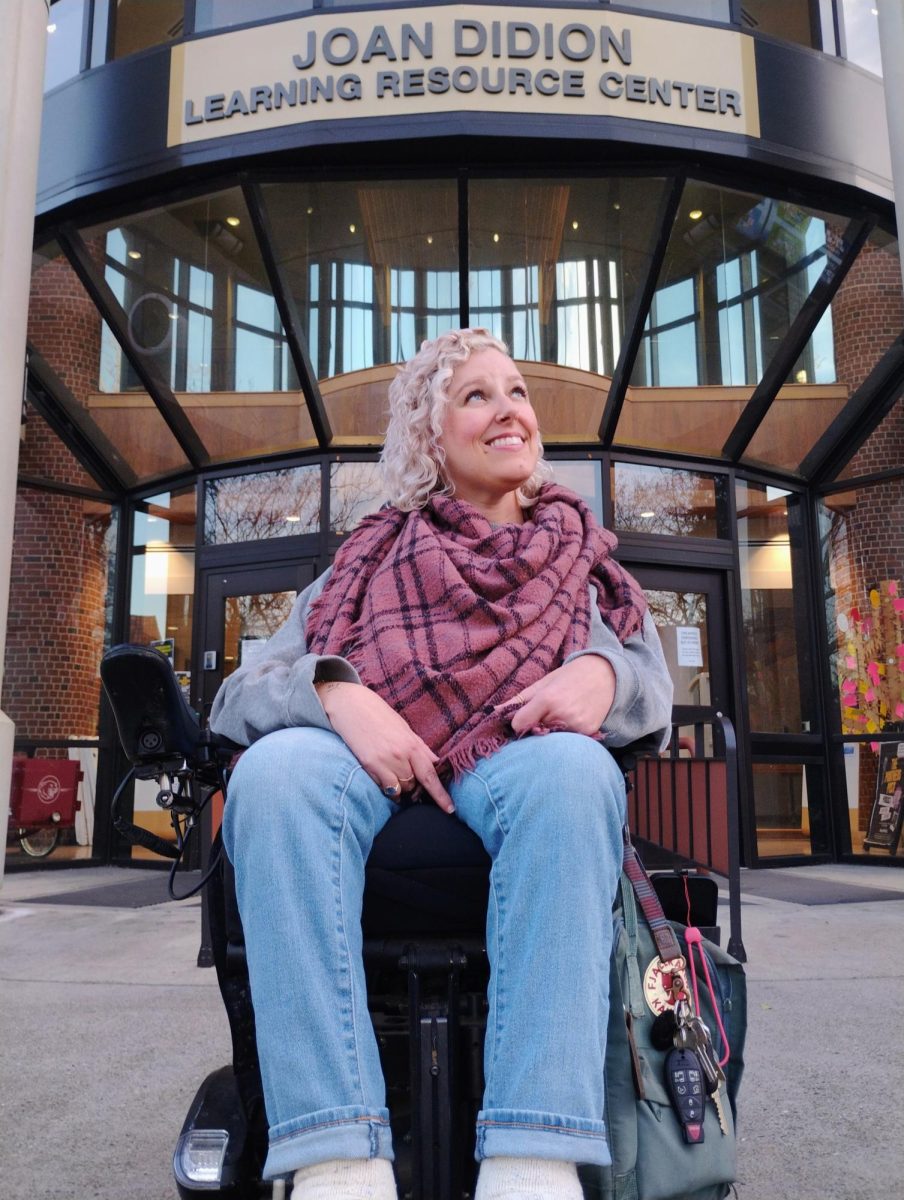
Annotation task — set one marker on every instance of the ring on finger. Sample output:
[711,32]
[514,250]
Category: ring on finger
[406,779]
[392,791]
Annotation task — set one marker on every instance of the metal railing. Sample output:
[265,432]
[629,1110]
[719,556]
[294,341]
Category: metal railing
[686,802]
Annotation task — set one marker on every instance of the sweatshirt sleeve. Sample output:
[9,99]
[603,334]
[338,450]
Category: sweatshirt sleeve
[643,687]
[276,690]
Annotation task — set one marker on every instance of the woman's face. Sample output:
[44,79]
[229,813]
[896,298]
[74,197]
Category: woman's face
[489,433]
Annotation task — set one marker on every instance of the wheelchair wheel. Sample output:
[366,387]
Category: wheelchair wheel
[38,843]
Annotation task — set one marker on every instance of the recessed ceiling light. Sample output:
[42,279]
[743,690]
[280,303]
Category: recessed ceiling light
[429,239]
[695,214]
[574,225]
[136,254]
[233,221]
[293,519]
[647,515]
[495,237]
[353,228]
[616,206]
[309,210]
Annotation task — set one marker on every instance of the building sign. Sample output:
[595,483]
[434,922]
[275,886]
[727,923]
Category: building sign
[404,62]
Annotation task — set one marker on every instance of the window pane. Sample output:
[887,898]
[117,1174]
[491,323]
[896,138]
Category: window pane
[863,554]
[219,14]
[737,271]
[704,10]
[373,268]
[836,360]
[140,24]
[583,477]
[788,807]
[356,489]
[69,333]
[791,20]
[63,57]
[551,261]
[861,33]
[873,791]
[665,501]
[192,284]
[272,504]
[779,677]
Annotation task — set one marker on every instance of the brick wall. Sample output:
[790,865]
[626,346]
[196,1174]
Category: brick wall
[58,586]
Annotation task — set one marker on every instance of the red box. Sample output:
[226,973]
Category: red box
[44,792]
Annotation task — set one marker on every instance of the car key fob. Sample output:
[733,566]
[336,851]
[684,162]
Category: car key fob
[686,1086]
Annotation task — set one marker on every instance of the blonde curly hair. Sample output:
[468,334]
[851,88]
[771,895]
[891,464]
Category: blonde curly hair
[413,461]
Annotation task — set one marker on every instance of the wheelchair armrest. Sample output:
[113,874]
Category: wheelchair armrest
[627,756]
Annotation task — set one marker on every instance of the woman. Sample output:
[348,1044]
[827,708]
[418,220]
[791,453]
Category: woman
[481,610]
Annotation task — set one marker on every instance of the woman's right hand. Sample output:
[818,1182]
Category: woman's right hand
[383,742]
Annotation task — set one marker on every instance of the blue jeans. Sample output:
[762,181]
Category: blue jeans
[301,818]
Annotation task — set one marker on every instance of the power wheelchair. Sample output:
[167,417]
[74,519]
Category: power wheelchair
[424,917]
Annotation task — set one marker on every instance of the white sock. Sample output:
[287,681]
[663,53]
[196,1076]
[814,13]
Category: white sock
[527,1179]
[346,1179]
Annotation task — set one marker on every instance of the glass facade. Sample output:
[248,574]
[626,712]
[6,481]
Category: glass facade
[217,356]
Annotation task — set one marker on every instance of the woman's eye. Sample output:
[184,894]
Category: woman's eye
[474,397]
[520,392]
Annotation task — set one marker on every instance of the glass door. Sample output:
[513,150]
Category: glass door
[242,609]
[688,608]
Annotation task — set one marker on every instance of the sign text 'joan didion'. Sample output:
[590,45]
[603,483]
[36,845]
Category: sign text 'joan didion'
[449,59]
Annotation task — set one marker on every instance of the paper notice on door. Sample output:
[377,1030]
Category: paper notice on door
[250,650]
[690,648]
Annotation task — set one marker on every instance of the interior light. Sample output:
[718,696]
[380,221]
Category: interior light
[574,225]
[801,377]
[293,518]
[616,206]
[309,210]
[647,515]
[353,228]
[429,239]
[136,254]
[495,237]
[695,214]
[233,221]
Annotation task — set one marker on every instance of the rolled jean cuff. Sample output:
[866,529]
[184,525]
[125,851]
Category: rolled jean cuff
[520,1133]
[331,1133]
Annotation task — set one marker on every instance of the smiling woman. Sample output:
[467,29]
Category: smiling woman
[480,607]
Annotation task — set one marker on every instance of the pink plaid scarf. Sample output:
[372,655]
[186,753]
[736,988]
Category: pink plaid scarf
[446,616]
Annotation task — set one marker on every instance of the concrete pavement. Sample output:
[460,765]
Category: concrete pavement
[108,1027]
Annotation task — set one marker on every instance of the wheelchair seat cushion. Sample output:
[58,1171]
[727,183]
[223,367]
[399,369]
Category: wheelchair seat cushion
[427,873]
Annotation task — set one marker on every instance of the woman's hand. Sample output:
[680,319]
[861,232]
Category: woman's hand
[576,696]
[383,742]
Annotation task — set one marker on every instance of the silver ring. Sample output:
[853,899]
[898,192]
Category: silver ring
[392,791]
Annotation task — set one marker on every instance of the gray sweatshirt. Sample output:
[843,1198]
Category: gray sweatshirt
[276,690]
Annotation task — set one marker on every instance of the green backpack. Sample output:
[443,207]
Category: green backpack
[650,1159]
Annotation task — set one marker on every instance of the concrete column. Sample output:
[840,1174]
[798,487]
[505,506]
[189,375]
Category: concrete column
[891,49]
[22,49]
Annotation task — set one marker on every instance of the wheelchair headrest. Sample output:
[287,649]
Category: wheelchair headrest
[153,719]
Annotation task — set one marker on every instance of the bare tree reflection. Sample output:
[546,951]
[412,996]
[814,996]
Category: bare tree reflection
[356,489]
[273,504]
[658,500]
